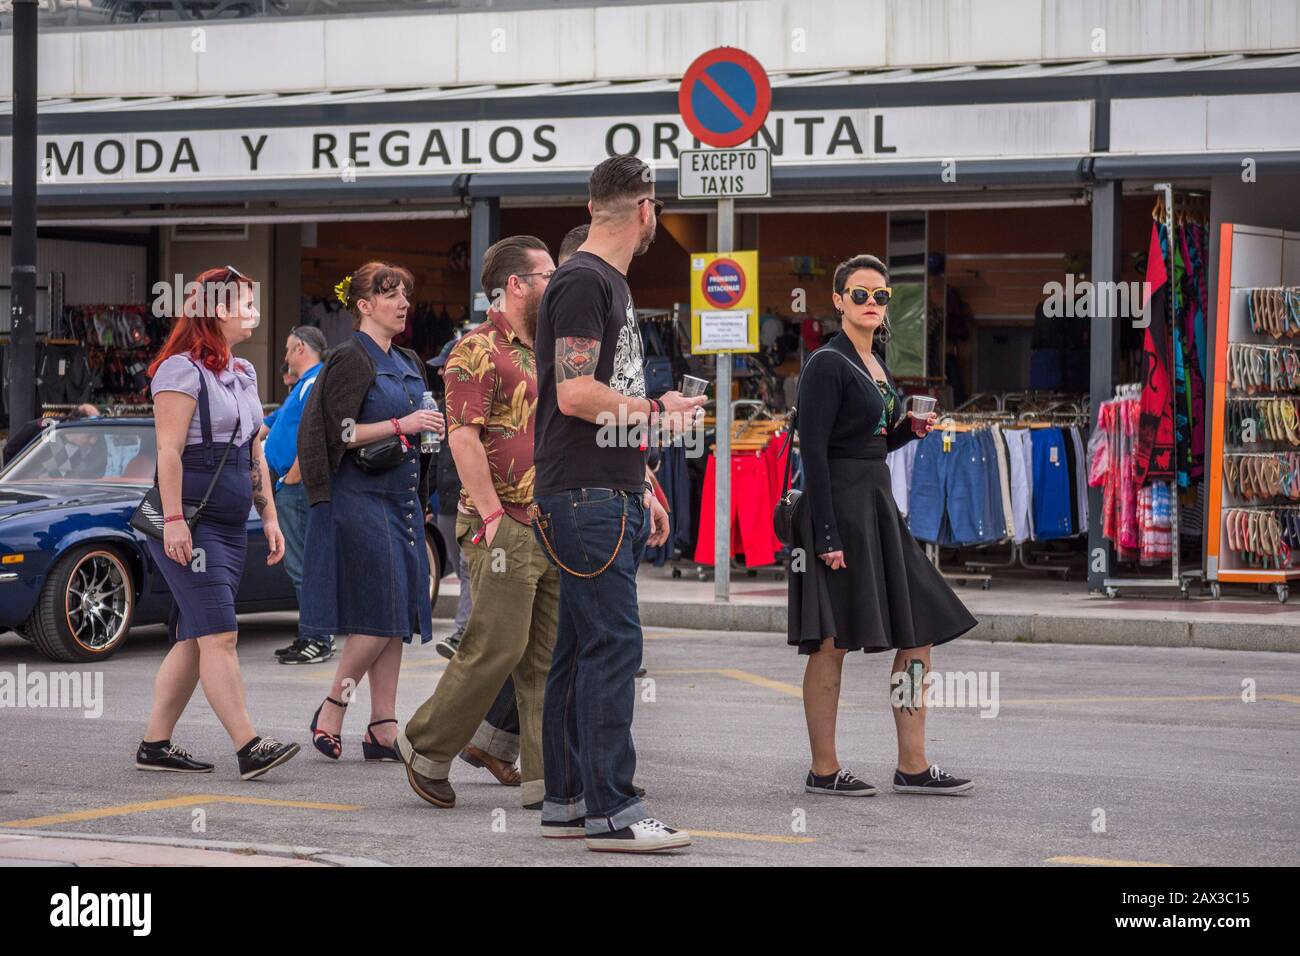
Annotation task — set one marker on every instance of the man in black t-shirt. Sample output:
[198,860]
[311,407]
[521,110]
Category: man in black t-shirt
[595,515]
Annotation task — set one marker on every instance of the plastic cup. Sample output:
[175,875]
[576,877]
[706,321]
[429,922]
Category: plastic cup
[921,406]
[692,386]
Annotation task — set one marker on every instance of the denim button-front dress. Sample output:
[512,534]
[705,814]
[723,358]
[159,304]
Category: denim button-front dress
[365,569]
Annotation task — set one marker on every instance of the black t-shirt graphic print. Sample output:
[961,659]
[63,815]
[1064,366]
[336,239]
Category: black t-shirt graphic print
[587,298]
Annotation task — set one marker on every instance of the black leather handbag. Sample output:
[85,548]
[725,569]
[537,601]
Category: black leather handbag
[148,515]
[382,455]
[783,516]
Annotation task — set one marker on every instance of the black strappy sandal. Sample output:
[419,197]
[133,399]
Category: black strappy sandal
[327,743]
[372,749]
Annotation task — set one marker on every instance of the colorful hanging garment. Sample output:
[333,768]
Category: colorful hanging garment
[1155,441]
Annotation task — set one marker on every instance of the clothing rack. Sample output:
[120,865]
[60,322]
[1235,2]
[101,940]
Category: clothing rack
[1164,212]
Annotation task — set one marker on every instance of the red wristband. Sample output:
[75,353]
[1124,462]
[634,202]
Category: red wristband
[481,533]
[173,518]
[397,426]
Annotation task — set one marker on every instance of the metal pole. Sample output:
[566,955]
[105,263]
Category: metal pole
[722,484]
[1107,200]
[1168,189]
[22,340]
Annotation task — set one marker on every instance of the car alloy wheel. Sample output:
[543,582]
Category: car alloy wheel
[98,600]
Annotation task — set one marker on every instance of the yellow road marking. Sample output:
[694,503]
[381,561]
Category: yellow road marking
[170,804]
[739,675]
[753,837]
[1100,861]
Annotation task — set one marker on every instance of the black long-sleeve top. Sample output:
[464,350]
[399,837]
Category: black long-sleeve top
[839,415]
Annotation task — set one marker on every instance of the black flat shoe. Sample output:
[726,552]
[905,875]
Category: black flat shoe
[168,756]
[372,749]
[263,754]
[931,781]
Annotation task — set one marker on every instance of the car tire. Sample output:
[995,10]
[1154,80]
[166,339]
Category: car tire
[85,610]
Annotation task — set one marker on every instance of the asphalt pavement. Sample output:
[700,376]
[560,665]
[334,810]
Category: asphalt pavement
[1097,754]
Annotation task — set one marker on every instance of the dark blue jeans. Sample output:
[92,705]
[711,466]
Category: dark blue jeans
[587,717]
[291,507]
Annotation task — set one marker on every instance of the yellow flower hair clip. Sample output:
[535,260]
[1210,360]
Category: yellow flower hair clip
[341,290]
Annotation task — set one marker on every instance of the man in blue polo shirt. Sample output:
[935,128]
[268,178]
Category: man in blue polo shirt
[303,351]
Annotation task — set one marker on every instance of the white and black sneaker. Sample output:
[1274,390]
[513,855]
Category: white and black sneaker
[644,836]
[165,755]
[307,652]
[934,781]
[262,754]
[841,783]
[448,646]
[563,829]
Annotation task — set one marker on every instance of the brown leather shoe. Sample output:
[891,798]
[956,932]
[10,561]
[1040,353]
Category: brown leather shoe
[437,792]
[507,774]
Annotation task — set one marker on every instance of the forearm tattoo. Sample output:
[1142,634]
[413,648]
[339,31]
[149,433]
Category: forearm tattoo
[575,357]
[259,493]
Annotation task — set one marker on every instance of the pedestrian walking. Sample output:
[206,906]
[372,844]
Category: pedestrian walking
[367,481]
[870,587]
[491,400]
[447,482]
[594,515]
[303,353]
[206,416]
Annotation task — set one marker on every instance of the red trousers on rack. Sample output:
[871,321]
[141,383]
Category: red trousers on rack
[751,511]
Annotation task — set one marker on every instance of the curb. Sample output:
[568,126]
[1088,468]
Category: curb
[1024,628]
[312,853]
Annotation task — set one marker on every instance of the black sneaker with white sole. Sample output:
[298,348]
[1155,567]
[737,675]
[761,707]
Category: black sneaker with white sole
[165,755]
[644,836]
[292,648]
[308,652]
[448,646]
[262,754]
[841,783]
[933,780]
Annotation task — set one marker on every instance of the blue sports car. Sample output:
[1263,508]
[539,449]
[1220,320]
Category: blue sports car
[74,575]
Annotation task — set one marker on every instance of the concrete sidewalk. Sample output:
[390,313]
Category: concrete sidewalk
[47,848]
[1014,608]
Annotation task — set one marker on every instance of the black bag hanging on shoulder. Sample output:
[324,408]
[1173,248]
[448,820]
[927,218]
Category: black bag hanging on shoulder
[783,515]
[148,517]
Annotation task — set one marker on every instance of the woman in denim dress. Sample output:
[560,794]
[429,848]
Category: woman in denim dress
[366,571]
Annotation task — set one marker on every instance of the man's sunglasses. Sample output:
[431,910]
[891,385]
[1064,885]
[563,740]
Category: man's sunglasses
[659,203]
[227,274]
[545,275]
[860,295]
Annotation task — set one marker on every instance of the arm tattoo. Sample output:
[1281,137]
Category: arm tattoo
[575,357]
[259,494]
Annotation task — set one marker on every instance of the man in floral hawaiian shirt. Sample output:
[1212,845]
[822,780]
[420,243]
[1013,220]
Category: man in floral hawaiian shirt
[491,380]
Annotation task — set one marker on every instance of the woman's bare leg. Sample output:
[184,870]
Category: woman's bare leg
[821,702]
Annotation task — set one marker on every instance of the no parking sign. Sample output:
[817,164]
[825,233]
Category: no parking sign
[724,302]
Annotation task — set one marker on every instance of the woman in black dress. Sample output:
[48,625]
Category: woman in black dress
[866,584]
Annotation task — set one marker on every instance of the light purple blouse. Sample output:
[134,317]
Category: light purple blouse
[232,395]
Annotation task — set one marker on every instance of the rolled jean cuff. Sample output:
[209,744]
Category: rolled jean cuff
[433,769]
[628,815]
[499,744]
[532,791]
[563,811]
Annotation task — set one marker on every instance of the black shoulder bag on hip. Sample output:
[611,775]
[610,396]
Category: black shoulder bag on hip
[148,516]
[783,515]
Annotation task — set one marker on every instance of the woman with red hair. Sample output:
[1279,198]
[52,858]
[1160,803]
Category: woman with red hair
[206,416]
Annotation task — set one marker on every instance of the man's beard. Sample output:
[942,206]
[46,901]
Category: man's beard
[646,240]
[532,306]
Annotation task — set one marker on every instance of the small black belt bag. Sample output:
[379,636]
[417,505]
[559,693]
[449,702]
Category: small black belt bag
[382,455]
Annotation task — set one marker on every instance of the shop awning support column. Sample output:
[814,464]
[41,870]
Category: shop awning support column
[22,339]
[484,229]
[1104,349]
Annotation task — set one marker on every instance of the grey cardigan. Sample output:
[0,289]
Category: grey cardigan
[338,395]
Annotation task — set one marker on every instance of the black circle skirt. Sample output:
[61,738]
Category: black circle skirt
[889,596]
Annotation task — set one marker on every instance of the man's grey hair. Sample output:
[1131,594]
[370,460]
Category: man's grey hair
[311,337]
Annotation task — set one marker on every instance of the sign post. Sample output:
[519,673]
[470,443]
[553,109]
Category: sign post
[723,100]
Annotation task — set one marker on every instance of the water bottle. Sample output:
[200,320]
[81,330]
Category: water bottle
[429,441]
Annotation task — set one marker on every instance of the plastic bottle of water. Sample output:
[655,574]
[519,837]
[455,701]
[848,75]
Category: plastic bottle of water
[429,440]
